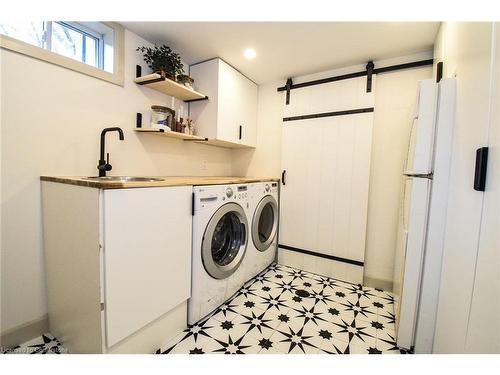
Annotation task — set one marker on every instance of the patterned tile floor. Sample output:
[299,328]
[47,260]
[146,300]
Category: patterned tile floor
[286,311]
[282,310]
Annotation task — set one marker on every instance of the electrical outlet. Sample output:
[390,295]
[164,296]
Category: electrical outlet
[204,166]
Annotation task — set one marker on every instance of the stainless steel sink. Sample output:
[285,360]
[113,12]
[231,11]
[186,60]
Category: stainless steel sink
[123,179]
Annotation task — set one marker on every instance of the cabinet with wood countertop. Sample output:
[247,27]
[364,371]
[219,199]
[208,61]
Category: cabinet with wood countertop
[118,265]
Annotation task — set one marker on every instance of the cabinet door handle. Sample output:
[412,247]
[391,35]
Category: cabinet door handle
[241,131]
[283,177]
[192,203]
[481,169]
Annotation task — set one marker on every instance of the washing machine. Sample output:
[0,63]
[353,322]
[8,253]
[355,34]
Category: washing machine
[264,215]
[221,230]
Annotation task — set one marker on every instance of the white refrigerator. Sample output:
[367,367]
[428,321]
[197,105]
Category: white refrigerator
[422,214]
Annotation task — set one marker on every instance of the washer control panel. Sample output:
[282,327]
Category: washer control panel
[210,195]
[235,193]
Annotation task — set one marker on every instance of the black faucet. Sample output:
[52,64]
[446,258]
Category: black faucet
[104,165]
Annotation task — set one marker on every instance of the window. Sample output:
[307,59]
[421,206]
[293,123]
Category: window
[75,42]
[93,48]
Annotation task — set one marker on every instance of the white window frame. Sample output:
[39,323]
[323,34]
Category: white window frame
[117,77]
[83,30]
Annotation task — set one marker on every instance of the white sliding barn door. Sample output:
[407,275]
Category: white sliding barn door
[324,199]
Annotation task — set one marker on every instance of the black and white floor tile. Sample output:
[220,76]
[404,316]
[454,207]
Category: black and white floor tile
[289,311]
[282,311]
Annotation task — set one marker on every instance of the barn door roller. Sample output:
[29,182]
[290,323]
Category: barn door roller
[369,72]
[288,88]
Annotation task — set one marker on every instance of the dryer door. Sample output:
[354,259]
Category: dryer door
[265,223]
[225,241]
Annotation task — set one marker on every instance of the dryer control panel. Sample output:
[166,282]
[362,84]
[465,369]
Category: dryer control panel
[270,187]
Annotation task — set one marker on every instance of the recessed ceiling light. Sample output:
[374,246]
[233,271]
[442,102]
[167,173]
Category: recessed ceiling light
[250,53]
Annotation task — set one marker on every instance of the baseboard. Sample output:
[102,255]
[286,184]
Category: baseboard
[24,332]
[321,266]
[385,285]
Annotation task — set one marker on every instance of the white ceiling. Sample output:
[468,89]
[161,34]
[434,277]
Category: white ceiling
[288,49]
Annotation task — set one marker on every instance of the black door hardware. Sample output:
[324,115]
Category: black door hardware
[241,130]
[481,169]
[283,177]
[288,87]
[369,72]
[138,120]
[329,114]
[439,71]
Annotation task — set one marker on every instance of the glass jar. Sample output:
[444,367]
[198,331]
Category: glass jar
[160,117]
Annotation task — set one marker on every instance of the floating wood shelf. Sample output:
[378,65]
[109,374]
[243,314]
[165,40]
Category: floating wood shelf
[169,87]
[193,138]
[225,144]
[172,134]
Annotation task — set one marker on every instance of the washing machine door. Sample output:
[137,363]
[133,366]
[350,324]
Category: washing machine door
[265,223]
[225,241]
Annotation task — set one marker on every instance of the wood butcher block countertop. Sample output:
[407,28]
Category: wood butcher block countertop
[165,181]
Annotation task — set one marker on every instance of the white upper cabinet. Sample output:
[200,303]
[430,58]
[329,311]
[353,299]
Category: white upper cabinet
[230,114]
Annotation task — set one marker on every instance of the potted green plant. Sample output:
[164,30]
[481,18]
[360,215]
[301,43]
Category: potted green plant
[185,80]
[162,60]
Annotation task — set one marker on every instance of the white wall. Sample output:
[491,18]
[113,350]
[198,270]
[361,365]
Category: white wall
[51,121]
[394,106]
[394,100]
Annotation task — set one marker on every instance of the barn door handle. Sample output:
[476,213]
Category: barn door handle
[283,177]
[481,169]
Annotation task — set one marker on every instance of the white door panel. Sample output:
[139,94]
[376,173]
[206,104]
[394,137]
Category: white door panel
[483,333]
[324,201]
[419,194]
[229,103]
[473,70]
[147,256]
[300,197]
[420,150]
[249,113]
[429,294]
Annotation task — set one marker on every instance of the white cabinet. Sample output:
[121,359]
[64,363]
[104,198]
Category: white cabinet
[147,246]
[230,113]
[118,265]
[469,55]
[483,333]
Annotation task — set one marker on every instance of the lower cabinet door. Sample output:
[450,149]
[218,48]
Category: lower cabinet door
[147,256]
